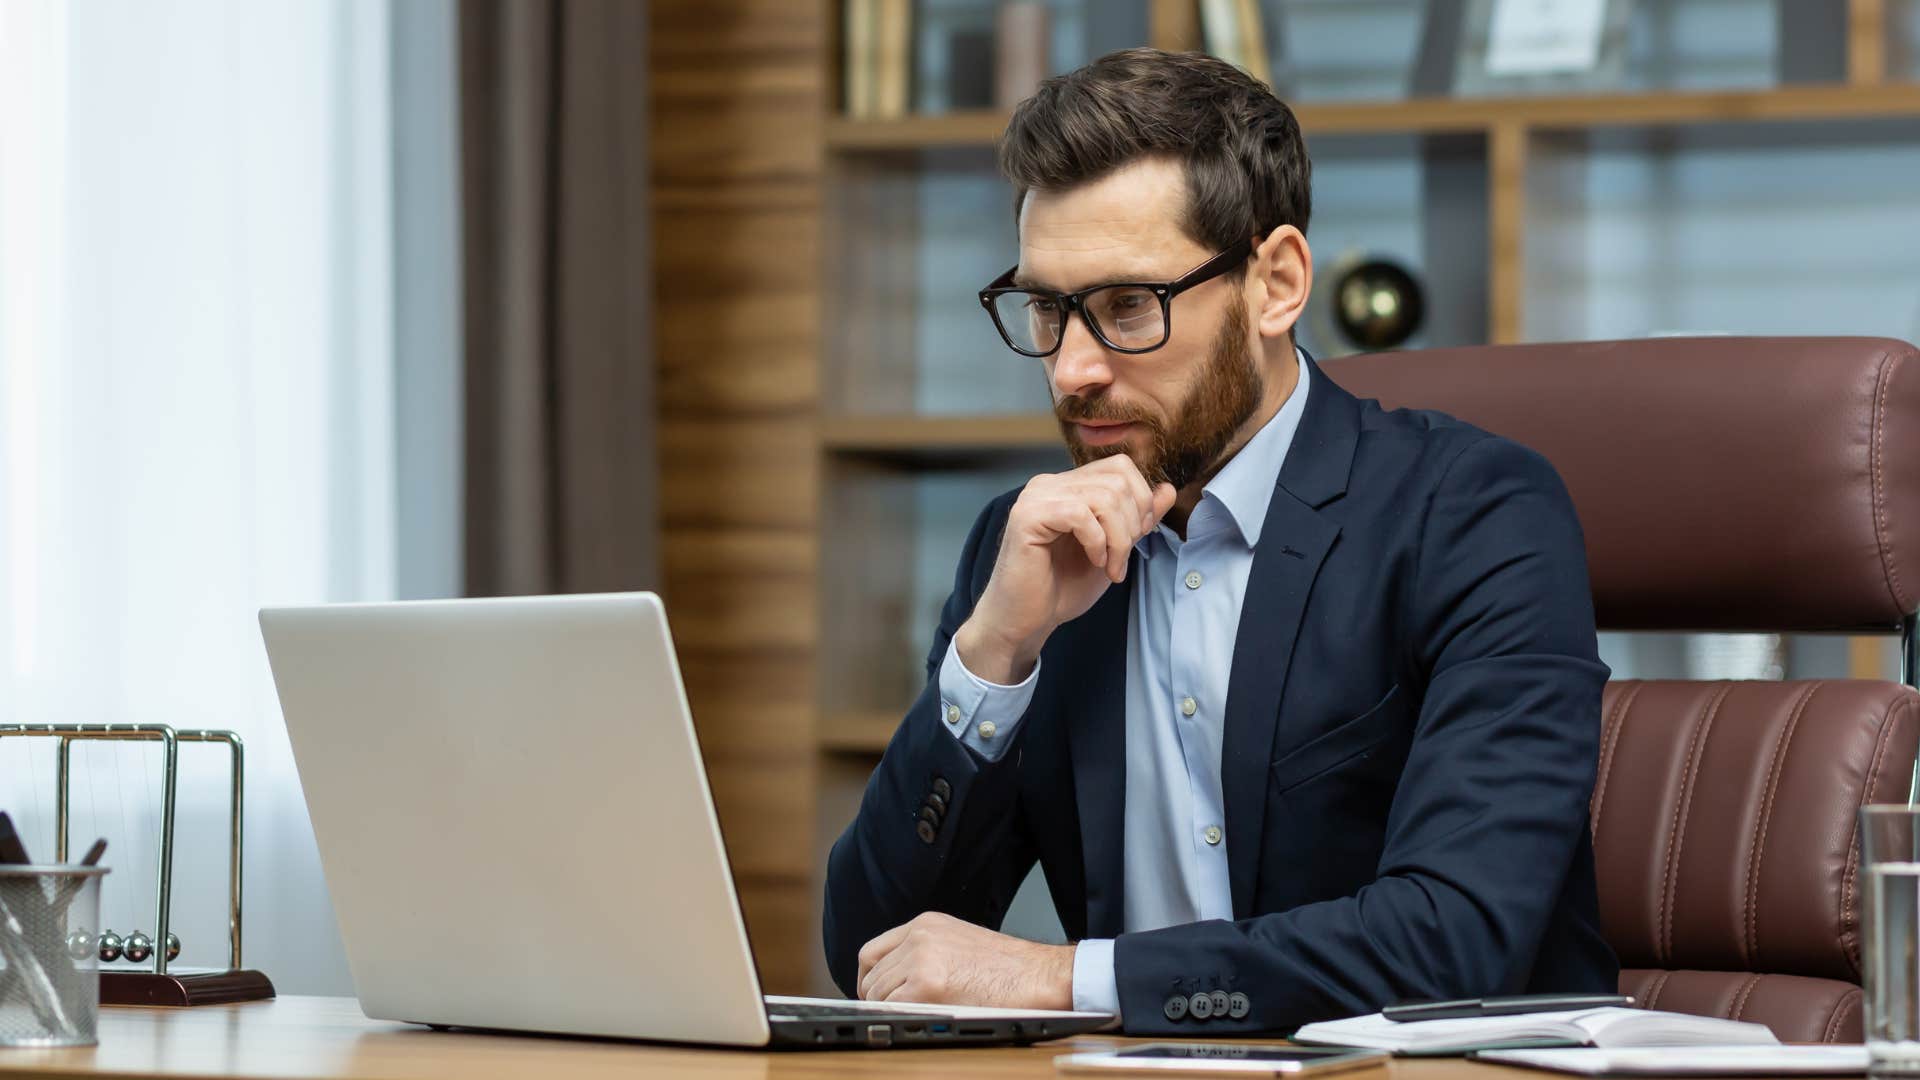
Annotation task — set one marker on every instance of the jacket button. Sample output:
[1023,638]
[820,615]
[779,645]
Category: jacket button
[942,788]
[931,816]
[1200,1005]
[925,831]
[1221,1002]
[938,802]
[1175,1008]
[1238,1006]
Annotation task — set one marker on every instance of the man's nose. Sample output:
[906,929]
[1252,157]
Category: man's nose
[1082,364]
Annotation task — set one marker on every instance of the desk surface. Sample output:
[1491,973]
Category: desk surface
[328,1037]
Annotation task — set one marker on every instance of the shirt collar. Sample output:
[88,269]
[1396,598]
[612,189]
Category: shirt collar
[1244,486]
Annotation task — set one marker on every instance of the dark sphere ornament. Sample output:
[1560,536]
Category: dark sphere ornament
[1377,304]
[173,946]
[80,945]
[110,946]
[139,947]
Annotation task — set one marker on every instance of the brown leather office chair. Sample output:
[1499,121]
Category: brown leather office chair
[1726,484]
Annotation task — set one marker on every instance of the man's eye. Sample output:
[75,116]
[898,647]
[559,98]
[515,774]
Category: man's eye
[1127,302]
[1042,305]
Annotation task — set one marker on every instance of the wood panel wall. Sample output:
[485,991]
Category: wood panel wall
[738,97]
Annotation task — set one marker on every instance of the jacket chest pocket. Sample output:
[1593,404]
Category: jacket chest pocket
[1345,743]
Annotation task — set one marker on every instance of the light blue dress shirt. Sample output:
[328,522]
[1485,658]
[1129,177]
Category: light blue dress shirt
[1180,635]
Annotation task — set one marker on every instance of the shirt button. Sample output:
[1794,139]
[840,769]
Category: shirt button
[1213,835]
[1188,706]
[987,729]
[953,714]
[1194,579]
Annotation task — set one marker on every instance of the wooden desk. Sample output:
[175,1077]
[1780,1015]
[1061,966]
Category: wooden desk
[328,1037]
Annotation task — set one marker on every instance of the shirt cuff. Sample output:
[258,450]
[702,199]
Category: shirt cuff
[979,713]
[1095,987]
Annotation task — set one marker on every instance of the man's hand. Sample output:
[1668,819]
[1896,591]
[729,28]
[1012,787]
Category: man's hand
[1068,537]
[942,960]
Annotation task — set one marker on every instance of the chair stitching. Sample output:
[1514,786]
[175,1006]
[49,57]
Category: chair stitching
[1774,769]
[1615,722]
[1695,752]
[1831,1032]
[1850,876]
[1876,488]
[1659,984]
[1740,999]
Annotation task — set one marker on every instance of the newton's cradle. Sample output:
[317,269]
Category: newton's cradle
[156,985]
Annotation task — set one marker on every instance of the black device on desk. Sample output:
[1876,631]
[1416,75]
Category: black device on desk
[1461,1008]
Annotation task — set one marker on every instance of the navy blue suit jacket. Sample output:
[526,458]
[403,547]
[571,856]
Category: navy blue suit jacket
[1411,733]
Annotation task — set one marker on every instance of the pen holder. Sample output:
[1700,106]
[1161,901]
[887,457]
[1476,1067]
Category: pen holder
[49,955]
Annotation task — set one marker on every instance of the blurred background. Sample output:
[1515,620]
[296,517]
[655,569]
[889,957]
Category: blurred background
[327,300]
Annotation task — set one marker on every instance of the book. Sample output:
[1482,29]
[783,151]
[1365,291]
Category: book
[1234,32]
[1020,51]
[893,58]
[1253,42]
[1691,1061]
[1608,1027]
[858,58]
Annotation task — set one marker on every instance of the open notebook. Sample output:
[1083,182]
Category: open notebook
[1613,1026]
[1692,1061]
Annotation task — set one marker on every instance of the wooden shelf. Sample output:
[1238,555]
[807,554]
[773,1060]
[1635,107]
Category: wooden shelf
[858,732]
[939,434]
[1418,116]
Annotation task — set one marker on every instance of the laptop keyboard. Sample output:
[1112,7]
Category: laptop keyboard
[850,1008]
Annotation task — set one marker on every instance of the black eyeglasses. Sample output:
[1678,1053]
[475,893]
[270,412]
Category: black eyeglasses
[1126,316]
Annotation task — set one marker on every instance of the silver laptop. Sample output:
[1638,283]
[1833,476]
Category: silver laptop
[515,826]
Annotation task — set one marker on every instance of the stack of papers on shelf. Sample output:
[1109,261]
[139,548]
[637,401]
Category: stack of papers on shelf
[1613,1026]
[1692,1061]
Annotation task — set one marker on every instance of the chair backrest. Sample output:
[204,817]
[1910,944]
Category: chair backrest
[1767,484]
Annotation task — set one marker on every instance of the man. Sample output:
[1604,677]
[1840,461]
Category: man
[1295,700]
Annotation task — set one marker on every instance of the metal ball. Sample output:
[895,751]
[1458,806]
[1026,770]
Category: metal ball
[110,945]
[80,945]
[139,947]
[1378,304]
[173,946]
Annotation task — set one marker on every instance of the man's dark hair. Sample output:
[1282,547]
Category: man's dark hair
[1239,145]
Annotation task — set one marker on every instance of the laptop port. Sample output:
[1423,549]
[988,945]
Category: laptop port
[845,1031]
[940,1029]
[977,1031]
[879,1035]
[913,1029]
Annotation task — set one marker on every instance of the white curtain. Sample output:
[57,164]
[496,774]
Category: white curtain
[196,418]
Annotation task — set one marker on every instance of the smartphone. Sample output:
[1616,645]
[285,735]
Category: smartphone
[1161,1059]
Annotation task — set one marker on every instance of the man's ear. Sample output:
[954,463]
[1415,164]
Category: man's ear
[1282,267]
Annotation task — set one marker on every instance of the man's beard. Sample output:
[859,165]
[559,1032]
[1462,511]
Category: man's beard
[1221,398]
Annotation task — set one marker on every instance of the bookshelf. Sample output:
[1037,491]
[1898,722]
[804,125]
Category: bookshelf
[1526,219]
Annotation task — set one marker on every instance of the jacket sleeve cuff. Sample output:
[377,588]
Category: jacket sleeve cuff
[1095,988]
[981,714]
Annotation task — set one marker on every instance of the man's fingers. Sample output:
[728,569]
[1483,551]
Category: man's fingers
[1086,528]
[887,976]
[873,951]
[1127,469]
[1163,497]
[1119,526]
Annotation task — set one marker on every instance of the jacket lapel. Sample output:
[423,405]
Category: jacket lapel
[1097,733]
[1294,542]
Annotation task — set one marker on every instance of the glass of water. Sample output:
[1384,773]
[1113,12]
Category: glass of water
[1890,937]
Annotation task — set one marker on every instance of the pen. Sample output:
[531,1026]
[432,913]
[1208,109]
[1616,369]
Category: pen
[1410,1012]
